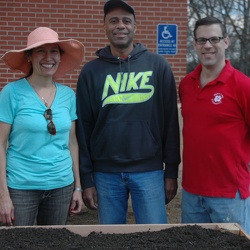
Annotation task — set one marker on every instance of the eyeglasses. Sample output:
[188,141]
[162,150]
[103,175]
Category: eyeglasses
[51,126]
[212,40]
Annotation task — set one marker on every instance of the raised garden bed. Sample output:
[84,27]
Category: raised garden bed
[170,236]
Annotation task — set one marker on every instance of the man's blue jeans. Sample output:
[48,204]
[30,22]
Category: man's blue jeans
[147,196]
[203,209]
[41,207]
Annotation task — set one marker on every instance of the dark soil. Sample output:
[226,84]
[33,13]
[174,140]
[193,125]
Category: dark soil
[178,238]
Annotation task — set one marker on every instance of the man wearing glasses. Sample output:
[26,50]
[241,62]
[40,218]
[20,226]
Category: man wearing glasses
[215,100]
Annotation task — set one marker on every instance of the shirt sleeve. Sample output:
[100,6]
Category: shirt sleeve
[7,104]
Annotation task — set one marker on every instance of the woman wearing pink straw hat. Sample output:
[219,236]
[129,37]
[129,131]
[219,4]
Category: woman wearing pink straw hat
[39,171]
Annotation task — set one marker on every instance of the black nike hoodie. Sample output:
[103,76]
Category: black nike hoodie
[127,115]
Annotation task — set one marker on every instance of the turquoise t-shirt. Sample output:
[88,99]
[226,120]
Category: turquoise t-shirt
[37,160]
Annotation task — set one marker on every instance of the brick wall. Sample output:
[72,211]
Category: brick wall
[83,20]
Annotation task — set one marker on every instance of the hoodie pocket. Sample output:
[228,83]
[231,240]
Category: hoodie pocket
[124,142]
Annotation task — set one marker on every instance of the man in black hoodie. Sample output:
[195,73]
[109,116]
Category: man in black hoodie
[127,127]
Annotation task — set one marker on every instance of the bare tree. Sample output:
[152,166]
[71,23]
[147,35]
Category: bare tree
[236,15]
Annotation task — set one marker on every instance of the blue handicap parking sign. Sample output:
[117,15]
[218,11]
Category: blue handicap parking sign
[167,39]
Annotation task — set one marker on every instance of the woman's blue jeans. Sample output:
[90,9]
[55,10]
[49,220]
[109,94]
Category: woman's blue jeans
[147,196]
[203,209]
[41,207]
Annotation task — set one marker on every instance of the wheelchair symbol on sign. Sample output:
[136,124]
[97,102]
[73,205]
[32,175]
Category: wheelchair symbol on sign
[165,33]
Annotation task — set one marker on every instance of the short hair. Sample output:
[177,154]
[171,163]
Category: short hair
[209,21]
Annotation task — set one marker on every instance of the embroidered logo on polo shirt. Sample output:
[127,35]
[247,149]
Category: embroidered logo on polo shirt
[217,98]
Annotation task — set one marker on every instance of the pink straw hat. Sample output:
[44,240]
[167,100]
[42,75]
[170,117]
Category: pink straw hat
[71,57]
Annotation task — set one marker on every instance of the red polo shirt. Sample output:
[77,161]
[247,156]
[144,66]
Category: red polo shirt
[216,134]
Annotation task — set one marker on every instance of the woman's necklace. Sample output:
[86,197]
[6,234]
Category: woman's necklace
[43,99]
[46,101]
